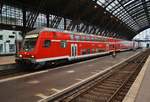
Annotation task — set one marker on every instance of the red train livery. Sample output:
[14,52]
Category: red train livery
[47,45]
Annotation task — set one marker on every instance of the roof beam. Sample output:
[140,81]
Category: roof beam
[146,10]
[128,12]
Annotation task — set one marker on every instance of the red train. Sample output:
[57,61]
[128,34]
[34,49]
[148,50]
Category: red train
[47,45]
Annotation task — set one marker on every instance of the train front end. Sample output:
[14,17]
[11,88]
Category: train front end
[27,54]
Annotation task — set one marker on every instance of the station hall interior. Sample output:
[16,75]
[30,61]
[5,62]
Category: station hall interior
[74,50]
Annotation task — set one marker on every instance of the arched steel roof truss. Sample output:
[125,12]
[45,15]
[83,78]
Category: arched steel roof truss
[134,13]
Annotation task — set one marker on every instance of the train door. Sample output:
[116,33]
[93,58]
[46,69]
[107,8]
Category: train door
[73,50]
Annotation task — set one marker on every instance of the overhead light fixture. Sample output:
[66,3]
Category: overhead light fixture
[95,6]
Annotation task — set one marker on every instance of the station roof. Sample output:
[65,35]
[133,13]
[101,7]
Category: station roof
[135,13]
[127,16]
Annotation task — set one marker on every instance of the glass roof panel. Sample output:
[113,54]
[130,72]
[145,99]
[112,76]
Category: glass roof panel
[129,11]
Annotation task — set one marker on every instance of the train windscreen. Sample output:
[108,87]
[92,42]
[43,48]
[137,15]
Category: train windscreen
[29,43]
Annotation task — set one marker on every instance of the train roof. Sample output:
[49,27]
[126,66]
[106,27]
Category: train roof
[38,30]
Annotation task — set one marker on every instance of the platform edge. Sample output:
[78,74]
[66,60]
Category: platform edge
[133,92]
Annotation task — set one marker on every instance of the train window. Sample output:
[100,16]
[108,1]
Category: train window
[77,37]
[88,38]
[96,39]
[82,38]
[92,38]
[1,37]
[99,39]
[103,40]
[72,37]
[83,52]
[93,50]
[47,43]
[88,51]
[63,44]
[100,50]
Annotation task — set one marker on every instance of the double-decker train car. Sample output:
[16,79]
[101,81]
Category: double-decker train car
[46,45]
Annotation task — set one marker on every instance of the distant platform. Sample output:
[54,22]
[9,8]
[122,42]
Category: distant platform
[7,59]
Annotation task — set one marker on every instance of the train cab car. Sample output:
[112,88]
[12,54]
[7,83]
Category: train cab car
[47,45]
[27,54]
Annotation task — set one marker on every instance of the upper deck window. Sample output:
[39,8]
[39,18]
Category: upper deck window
[88,38]
[82,38]
[93,39]
[77,37]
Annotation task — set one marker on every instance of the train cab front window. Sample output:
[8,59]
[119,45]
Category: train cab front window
[29,44]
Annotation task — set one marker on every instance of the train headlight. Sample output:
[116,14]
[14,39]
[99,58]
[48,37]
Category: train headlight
[20,55]
[32,56]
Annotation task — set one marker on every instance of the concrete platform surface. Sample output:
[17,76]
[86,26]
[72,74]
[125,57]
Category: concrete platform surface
[140,89]
[39,85]
[144,90]
[7,60]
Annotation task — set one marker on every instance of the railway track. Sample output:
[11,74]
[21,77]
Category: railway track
[109,87]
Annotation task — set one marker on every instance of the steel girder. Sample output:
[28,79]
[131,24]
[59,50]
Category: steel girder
[1,5]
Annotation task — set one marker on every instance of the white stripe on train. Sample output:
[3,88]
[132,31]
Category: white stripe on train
[71,58]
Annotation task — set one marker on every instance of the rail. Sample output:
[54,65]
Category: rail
[108,86]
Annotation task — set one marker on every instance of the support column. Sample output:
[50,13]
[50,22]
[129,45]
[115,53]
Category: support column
[65,24]
[24,22]
[24,17]
[47,18]
[1,6]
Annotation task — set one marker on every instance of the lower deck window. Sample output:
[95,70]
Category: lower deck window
[93,50]
[63,44]
[88,51]
[83,52]
[100,50]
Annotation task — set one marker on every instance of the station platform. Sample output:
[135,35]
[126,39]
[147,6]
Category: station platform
[4,60]
[140,90]
[33,87]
